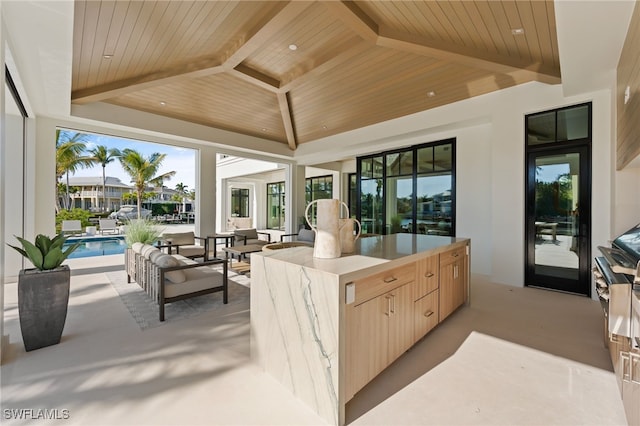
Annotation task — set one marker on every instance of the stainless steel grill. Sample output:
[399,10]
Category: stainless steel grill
[616,273]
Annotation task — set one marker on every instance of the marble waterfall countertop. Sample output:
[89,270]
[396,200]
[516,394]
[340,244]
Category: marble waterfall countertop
[298,311]
[371,255]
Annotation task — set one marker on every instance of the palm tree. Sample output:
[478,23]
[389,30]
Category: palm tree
[143,170]
[69,149]
[181,188]
[103,156]
[183,193]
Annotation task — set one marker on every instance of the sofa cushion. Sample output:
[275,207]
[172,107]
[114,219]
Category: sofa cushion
[180,238]
[191,251]
[168,261]
[198,279]
[251,233]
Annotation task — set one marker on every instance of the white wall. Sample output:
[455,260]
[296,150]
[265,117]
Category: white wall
[14,189]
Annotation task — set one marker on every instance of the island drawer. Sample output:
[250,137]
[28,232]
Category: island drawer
[375,285]
[451,256]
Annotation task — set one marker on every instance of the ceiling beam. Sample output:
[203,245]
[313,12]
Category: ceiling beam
[256,78]
[264,31]
[322,65]
[453,53]
[356,19]
[285,110]
[196,69]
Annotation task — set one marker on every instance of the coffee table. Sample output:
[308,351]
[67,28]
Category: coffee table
[240,251]
[228,241]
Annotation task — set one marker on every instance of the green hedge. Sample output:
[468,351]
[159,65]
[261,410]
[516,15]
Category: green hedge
[75,214]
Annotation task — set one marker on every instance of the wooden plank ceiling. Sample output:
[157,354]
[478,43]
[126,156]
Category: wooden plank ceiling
[228,65]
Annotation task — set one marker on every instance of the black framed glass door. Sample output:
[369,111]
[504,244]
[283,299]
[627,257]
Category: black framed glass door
[558,220]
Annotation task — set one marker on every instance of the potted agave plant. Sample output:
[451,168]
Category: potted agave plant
[43,291]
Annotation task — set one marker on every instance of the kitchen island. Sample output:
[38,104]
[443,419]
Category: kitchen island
[326,327]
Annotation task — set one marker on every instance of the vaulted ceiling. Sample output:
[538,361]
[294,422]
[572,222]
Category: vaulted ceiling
[232,65]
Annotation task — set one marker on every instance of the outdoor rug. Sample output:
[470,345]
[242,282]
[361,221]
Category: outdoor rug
[145,311]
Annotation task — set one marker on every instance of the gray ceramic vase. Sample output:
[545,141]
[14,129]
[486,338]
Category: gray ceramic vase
[43,297]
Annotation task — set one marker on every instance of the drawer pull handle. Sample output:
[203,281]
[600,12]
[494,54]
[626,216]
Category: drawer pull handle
[633,358]
[428,314]
[429,274]
[390,280]
[625,362]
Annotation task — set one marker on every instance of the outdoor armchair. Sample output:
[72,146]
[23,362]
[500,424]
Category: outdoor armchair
[251,236]
[306,236]
[184,243]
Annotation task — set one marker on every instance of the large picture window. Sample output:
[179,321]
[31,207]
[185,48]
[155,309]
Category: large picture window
[239,202]
[275,205]
[319,187]
[410,190]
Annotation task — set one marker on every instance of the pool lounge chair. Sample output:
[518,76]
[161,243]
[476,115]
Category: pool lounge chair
[71,227]
[109,225]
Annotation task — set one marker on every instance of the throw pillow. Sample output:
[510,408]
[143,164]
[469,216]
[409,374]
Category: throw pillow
[137,247]
[154,255]
[147,250]
[168,261]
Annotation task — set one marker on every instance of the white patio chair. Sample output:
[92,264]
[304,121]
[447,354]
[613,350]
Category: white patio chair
[109,225]
[71,227]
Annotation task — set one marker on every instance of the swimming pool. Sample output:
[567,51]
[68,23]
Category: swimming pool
[96,246]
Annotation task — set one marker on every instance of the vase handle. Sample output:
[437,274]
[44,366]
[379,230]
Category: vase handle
[306,215]
[342,203]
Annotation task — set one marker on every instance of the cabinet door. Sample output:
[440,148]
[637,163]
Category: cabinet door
[426,314]
[617,346]
[452,286]
[631,386]
[367,342]
[400,320]
[427,277]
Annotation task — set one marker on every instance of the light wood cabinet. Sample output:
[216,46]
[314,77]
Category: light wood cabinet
[453,281]
[427,276]
[392,310]
[378,332]
[400,321]
[425,314]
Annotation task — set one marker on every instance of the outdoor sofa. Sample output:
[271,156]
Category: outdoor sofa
[168,278]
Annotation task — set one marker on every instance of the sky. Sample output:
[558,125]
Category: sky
[180,160]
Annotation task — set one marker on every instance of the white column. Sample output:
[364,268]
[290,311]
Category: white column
[205,202]
[294,194]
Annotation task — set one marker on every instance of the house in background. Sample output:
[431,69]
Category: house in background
[89,194]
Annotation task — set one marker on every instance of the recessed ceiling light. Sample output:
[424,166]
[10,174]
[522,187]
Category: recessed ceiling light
[107,56]
[324,127]
[431,94]
[293,47]
[517,31]
[162,103]
[264,129]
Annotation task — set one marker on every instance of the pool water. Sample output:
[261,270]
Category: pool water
[96,246]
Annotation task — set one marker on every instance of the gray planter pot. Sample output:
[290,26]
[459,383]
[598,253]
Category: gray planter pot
[43,297]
